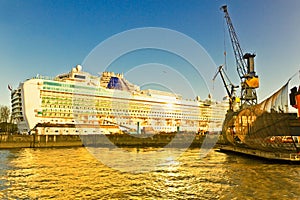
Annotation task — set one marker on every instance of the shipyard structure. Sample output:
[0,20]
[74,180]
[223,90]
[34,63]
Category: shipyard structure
[78,103]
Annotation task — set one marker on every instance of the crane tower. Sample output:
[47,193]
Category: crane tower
[245,66]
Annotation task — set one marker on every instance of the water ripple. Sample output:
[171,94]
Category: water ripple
[73,173]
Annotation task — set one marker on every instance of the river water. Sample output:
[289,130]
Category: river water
[74,173]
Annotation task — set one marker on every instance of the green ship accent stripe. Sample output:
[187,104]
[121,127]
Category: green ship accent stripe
[65,85]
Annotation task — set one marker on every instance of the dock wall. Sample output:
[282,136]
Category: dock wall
[40,141]
[32,141]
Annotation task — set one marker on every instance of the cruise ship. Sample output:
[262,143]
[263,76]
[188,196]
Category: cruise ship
[78,103]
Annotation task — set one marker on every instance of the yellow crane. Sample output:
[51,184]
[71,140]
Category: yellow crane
[245,66]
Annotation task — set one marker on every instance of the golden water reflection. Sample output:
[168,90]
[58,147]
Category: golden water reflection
[73,173]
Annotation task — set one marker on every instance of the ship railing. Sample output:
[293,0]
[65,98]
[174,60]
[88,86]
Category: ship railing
[294,156]
[287,156]
[43,77]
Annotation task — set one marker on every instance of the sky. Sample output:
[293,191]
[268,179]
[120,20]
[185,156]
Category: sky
[51,37]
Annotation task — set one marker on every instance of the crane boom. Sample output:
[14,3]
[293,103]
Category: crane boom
[230,91]
[238,53]
[220,71]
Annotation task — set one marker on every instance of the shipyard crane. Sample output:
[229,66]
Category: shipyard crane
[245,66]
[230,88]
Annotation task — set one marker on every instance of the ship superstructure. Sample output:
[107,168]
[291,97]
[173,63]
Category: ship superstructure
[80,103]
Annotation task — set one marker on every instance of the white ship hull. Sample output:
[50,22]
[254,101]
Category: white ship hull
[79,103]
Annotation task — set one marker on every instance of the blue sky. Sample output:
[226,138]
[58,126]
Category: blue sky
[50,37]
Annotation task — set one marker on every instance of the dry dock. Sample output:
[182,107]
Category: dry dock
[274,156]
